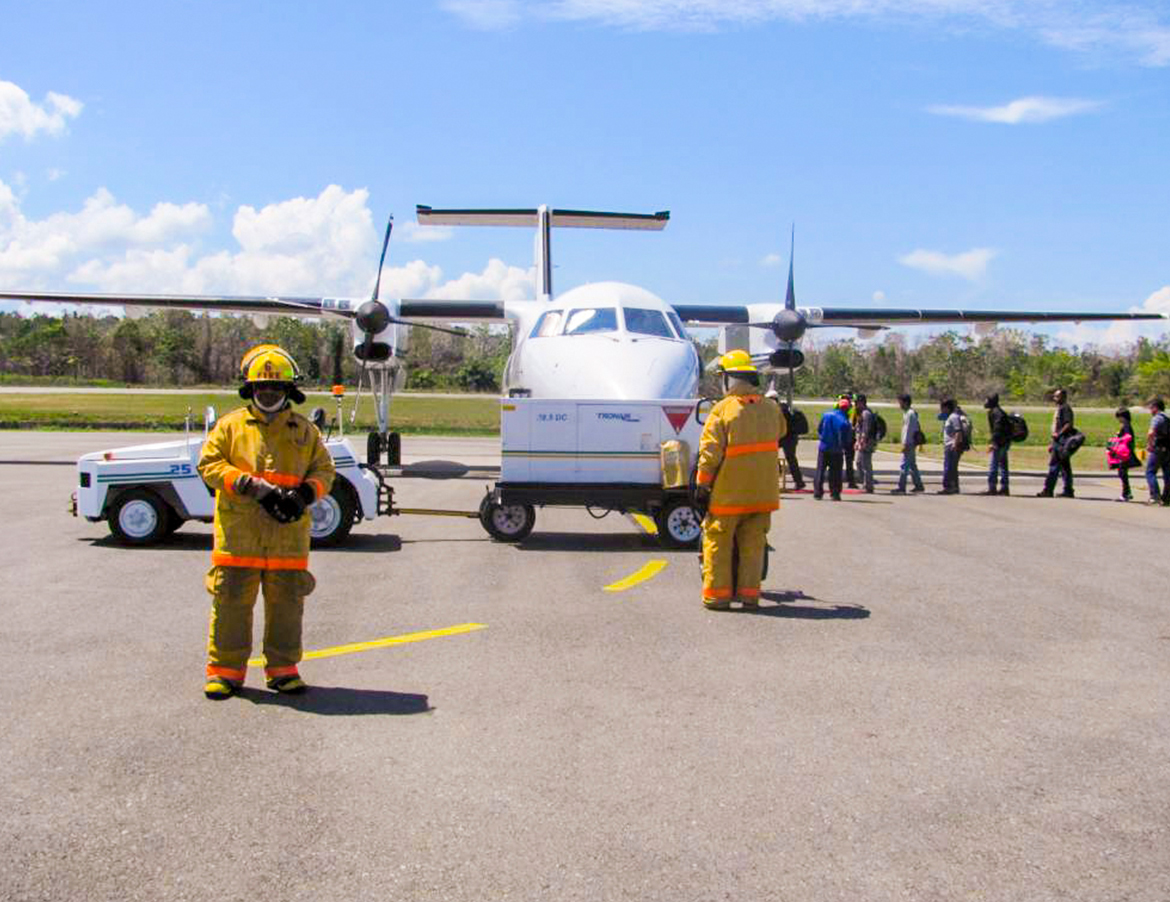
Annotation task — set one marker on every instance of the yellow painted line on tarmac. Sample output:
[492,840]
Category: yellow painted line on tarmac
[649,571]
[385,643]
[648,526]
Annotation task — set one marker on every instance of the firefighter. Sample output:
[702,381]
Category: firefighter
[266,464]
[737,481]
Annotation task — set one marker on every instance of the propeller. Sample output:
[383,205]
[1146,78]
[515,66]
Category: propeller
[788,325]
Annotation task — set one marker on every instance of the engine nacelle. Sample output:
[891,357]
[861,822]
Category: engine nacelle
[376,338]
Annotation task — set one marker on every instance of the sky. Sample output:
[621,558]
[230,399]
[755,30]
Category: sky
[929,153]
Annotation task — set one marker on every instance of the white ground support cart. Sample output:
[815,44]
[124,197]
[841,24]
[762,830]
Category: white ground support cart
[146,492]
[624,456]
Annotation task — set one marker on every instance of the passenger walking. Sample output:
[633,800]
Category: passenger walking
[866,441]
[910,433]
[1158,452]
[850,472]
[836,434]
[736,482]
[1059,462]
[1122,454]
[1000,427]
[954,438]
[788,443]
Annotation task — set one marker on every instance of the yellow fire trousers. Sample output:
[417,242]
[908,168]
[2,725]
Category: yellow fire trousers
[722,535]
[233,592]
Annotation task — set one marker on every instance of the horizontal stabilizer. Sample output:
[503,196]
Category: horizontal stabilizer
[572,219]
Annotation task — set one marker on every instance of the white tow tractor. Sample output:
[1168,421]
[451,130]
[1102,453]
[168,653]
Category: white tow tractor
[603,455]
[146,492]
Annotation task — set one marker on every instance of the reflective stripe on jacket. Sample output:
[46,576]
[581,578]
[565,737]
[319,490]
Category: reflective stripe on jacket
[286,452]
[737,454]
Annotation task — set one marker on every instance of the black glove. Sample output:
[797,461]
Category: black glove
[274,506]
[294,501]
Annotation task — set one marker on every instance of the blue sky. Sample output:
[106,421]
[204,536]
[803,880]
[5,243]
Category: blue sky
[930,152]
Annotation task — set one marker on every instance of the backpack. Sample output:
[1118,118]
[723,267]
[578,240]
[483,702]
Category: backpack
[798,423]
[1118,451]
[879,427]
[1162,438]
[1072,443]
[966,433]
[919,438]
[1019,427]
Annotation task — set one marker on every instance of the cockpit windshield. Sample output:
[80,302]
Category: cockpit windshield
[589,320]
[647,322]
[547,324]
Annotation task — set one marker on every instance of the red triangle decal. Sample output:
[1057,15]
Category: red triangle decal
[677,416]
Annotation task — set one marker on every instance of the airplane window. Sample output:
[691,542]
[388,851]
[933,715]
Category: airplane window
[547,324]
[677,323]
[646,322]
[591,319]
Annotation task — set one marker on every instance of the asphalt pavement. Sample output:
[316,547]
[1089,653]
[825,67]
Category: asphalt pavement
[941,698]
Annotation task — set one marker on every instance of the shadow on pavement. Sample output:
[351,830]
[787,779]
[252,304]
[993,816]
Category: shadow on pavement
[782,607]
[179,541]
[585,541]
[338,701]
[364,543]
[445,469]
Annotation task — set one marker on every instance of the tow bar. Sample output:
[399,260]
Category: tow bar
[386,507]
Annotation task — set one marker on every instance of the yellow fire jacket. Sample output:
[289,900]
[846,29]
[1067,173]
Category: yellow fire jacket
[737,454]
[286,451]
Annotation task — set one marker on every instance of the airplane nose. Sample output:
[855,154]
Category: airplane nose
[589,366]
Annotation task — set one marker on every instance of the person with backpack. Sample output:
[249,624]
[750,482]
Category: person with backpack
[836,434]
[850,472]
[866,441]
[1121,453]
[956,440]
[788,441]
[1158,452]
[911,432]
[1059,461]
[1000,426]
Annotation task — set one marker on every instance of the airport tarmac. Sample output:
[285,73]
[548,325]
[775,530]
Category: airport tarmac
[942,698]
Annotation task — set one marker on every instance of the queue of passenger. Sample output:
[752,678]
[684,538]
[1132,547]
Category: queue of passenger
[849,433]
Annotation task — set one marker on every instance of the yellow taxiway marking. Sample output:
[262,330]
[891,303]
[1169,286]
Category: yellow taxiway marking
[650,570]
[383,643]
[648,525]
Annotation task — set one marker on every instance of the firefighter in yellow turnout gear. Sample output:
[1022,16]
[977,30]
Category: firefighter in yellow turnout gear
[737,475]
[266,464]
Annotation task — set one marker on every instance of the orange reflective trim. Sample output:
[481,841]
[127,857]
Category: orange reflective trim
[219,559]
[705,477]
[716,593]
[318,487]
[750,593]
[728,510]
[229,480]
[753,448]
[227,673]
[273,672]
[284,480]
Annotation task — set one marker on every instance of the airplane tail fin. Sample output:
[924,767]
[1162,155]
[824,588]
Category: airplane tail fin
[790,297]
[544,219]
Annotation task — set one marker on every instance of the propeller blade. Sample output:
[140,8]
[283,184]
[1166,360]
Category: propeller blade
[790,297]
[382,259]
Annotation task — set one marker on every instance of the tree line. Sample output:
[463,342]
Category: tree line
[179,348]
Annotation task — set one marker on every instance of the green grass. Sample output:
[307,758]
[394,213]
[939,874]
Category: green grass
[472,415]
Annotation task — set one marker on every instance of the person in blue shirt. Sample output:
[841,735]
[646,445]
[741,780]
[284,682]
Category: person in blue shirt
[836,434]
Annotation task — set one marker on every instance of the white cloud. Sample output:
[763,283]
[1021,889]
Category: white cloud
[1024,110]
[486,15]
[323,245]
[54,174]
[969,265]
[413,233]
[879,297]
[19,115]
[771,260]
[1133,28]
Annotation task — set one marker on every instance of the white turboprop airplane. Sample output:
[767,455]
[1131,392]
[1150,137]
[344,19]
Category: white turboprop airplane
[599,340]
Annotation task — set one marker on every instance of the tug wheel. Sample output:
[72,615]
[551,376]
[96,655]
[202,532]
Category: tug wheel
[332,517]
[679,524]
[139,517]
[506,522]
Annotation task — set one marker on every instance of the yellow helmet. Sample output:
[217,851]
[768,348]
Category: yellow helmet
[270,363]
[737,362]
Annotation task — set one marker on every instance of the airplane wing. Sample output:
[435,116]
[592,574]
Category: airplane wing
[343,307]
[763,315]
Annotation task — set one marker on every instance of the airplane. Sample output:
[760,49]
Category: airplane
[601,340]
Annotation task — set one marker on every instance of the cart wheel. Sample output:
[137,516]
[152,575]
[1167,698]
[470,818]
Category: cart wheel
[679,524]
[506,522]
[332,517]
[139,517]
